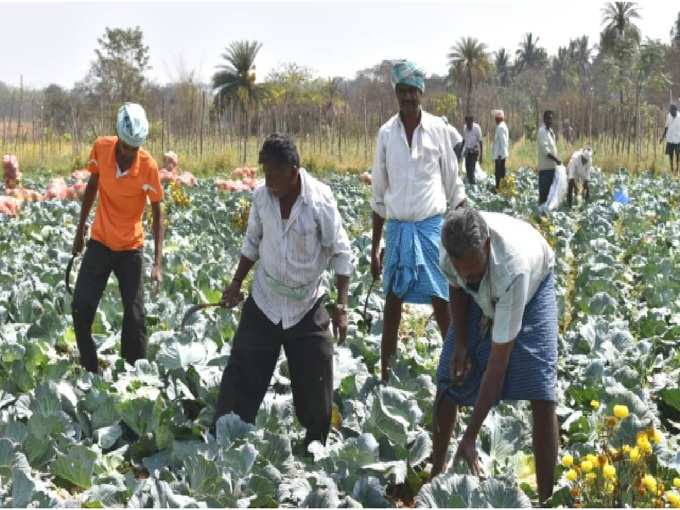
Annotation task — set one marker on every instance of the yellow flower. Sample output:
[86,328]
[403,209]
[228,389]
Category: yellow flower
[673,499]
[586,466]
[609,472]
[572,475]
[626,448]
[590,477]
[649,483]
[609,487]
[595,404]
[676,483]
[634,454]
[567,461]
[643,443]
[621,411]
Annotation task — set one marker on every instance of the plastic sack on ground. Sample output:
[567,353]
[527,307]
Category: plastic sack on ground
[621,195]
[558,190]
[480,174]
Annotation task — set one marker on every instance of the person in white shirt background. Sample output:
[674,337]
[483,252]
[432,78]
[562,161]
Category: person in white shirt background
[295,231]
[502,343]
[578,173]
[671,134]
[474,147]
[415,176]
[547,156]
[500,147]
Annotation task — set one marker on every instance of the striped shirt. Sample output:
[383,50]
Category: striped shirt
[519,260]
[294,254]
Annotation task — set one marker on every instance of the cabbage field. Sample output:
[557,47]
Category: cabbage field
[140,435]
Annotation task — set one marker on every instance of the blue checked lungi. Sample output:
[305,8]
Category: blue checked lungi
[411,269]
[532,369]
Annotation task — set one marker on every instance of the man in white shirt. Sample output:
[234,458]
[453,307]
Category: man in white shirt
[474,147]
[295,231]
[456,138]
[415,175]
[547,157]
[578,173]
[671,134]
[502,344]
[500,148]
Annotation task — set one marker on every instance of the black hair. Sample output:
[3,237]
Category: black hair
[548,112]
[279,148]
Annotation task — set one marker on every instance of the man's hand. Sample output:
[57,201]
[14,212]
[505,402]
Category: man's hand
[79,241]
[468,452]
[157,274]
[376,265]
[339,319]
[232,294]
[460,363]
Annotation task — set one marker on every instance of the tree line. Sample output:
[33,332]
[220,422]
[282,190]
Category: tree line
[614,88]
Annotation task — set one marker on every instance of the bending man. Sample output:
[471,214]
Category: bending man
[501,272]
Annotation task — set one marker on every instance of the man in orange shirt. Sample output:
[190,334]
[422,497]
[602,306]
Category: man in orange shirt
[124,175]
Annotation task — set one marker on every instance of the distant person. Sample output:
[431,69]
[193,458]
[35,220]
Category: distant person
[415,176]
[671,134]
[502,343]
[294,234]
[547,157]
[500,147]
[124,175]
[474,147]
[11,172]
[170,171]
[578,173]
[456,138]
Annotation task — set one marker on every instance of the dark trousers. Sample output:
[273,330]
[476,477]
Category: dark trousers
[128,266]
[572,191]
[309,350]
[499,170]
[470,165]
[545,180]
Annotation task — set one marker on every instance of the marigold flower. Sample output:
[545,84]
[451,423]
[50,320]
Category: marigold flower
[649,483]
[590,477]
[676,483]
[643,443]
[673,499]
[572,475]
[586,466]
[567,461]
[655,436]
[626,448]
[634,454]
[595,404]
[609,487]
[609,472]
[621,411]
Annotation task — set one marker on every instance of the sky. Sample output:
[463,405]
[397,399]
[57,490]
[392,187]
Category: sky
[54,42]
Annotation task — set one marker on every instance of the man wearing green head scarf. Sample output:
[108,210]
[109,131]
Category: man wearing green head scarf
[125,176]
[415,176]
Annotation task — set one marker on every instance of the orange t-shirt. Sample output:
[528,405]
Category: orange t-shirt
[118,221]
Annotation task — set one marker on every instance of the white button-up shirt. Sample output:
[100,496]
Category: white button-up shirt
[673,127]
[501,141]
[577,169]
[546,145]
[456,137]
[519,260]
[472,136]
[413,183]
[296,253]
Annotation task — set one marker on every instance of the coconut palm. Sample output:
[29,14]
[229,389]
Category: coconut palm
[618,20]
[503,67]
[234,82]
[561,75]
[469,63]
[530,55]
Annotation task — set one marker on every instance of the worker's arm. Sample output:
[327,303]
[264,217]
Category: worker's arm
[663,136]
[157,213]
[378,187]
[88,199]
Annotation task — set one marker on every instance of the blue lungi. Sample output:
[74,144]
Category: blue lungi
[532,368]
[411,269]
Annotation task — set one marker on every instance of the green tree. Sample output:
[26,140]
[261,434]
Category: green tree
[117,75]
[469,63]
[503,67]
[530,55]
[234,83]
[57,108]
[619,26]
[675,31]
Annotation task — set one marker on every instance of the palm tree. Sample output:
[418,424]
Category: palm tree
[502,65]
[469,63]
[530,55]
[560,70]
[617,18]
[234,82]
